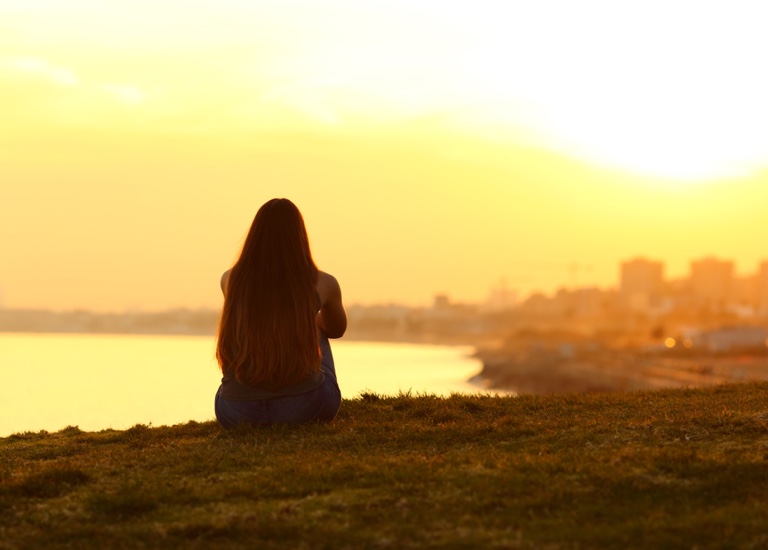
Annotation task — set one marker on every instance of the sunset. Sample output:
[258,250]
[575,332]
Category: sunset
[477,140]
[528,236]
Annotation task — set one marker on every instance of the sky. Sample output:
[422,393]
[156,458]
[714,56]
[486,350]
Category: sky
[433,147]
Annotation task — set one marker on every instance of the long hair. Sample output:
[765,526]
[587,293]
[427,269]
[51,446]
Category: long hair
[267,334]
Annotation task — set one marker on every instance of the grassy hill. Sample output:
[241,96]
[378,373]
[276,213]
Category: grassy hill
[661,469]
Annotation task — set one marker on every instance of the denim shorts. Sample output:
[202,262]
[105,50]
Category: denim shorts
[318,405]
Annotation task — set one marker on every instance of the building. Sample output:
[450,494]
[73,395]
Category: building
[744,295]
[733,338]
[500,298]
[712,281]
[641,283]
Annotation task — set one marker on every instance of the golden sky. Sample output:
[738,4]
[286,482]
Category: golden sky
[432,146]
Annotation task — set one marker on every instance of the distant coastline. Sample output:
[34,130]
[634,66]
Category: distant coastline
[200,322]
[193,322]
[519,351]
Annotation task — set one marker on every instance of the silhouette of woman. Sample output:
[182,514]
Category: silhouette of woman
[279,311]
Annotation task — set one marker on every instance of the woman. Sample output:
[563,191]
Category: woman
[279,311]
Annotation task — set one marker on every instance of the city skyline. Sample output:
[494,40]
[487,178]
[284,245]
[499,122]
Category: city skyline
[638,275]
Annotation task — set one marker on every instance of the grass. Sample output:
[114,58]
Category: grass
[662,469]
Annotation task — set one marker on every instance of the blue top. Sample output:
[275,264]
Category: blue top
[233,390]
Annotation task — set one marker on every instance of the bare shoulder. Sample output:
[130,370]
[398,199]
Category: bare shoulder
[328,288]
[326,281]
[225,280]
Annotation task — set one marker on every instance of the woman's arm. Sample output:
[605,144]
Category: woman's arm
[332,318]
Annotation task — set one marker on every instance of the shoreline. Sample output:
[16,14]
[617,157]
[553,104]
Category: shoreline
[98,381]
[612,371]
[539,372]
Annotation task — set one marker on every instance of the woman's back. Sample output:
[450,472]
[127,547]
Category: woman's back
[279,311]
[268,330]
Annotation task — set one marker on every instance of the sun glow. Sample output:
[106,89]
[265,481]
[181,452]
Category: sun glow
[657,88]
[661,89]
[455,136]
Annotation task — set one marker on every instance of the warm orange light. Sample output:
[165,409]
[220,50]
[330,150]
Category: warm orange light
[670,343]
[464,157]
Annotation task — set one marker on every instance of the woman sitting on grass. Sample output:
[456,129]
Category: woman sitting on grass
[279,312]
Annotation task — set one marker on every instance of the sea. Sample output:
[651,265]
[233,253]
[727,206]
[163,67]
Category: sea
[95,382]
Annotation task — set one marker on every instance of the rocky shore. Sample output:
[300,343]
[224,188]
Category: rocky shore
[551,371]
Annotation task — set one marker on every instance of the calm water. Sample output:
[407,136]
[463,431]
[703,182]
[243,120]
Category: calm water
[49,382]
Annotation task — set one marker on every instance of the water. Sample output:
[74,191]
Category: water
[107,381]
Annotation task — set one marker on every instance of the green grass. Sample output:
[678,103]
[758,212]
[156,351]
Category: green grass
[663,469]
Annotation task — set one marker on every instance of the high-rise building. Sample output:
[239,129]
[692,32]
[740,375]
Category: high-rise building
[641,283]
[712,280]
[500,298]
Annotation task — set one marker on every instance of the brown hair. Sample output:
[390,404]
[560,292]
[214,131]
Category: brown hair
[267,333]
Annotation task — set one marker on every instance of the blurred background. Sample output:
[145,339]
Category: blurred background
[575,190]
[432,147]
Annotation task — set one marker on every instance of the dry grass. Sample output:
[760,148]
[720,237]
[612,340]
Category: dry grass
[663,469]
